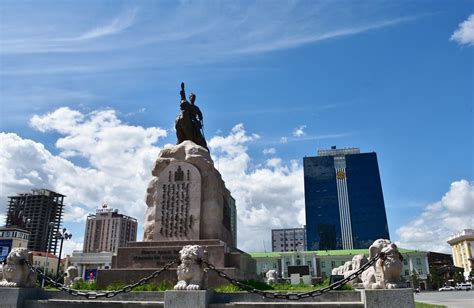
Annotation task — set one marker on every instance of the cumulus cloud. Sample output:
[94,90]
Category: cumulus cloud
[265,194]
[118,160]
[464,35]
[431,229]
[299,131]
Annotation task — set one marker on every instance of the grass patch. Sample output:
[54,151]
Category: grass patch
[279,287]
[162,286]
[84,285]
[425,305]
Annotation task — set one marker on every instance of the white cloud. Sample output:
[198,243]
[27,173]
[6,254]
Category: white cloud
[72,244]
[265,195]
[269,151]
[431,229]
[465,33]
[299,131]
[119,160]
[118,24]
[283,140]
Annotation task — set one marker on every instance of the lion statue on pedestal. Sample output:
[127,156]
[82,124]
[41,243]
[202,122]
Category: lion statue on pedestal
[357,262]
[271,276]
[386,272]
[15,272]
[190,272]
[71,276]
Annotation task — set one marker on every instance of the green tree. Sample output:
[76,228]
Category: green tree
[436,278]
[458,277]
[414,279]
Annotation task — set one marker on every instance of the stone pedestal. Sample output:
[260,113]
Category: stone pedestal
[187,204]
[187,299]
[140,259]
[388,298]
[16,297]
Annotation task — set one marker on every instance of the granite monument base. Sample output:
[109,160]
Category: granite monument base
[140,259]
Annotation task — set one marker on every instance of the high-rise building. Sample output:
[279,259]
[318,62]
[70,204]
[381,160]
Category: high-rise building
[343,200]
[107,230]
[462,245]
[40,213]
[293,239]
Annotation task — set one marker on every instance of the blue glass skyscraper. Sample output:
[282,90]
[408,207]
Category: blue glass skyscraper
[344,200]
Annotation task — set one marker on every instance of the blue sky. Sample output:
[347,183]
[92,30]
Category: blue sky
[275,81]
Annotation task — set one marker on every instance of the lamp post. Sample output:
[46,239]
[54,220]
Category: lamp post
[50,226]
[62,236]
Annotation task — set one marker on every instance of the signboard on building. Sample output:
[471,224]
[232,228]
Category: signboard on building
[298,269]
[5,247]
[91,275]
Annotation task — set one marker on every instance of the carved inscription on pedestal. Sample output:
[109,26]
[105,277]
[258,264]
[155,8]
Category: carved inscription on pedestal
[178,202]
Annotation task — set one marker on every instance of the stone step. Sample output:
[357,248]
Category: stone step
[289,305]
[62,303]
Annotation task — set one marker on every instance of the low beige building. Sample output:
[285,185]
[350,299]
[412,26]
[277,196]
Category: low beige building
[12,237]
[39,260]
[462,247]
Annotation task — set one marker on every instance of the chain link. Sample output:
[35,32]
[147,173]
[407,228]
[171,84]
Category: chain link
[99,294]
[266,294]
[294,296]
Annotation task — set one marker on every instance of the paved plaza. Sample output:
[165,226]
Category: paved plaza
[451,299]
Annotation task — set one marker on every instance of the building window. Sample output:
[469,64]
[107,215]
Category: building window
[418,261]
[405,261]
[333,264]
[323,264]
[407,272]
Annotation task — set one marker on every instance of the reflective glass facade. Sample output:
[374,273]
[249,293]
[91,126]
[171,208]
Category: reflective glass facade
[344,200]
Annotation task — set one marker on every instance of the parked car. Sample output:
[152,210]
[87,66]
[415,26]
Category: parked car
[464,286]
[446,288]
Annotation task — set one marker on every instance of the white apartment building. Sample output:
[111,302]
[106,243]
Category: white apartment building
[293,239]
[107,230]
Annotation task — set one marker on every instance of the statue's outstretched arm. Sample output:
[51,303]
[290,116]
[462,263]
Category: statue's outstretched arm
[182,93]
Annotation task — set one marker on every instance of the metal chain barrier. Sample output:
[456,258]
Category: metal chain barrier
[294,296]
[99,294]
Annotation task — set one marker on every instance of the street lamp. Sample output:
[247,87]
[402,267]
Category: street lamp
[50,226]
[62,236]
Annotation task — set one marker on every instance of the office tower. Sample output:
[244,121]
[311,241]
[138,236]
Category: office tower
[107,230]
[40,212]
[293,239]
[343,200]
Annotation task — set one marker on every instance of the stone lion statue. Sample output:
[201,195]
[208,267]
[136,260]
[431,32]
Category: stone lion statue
[342,269]
[385,274]
[271,276]
[190,272]
[357,262]
[71,276]
[15,272]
